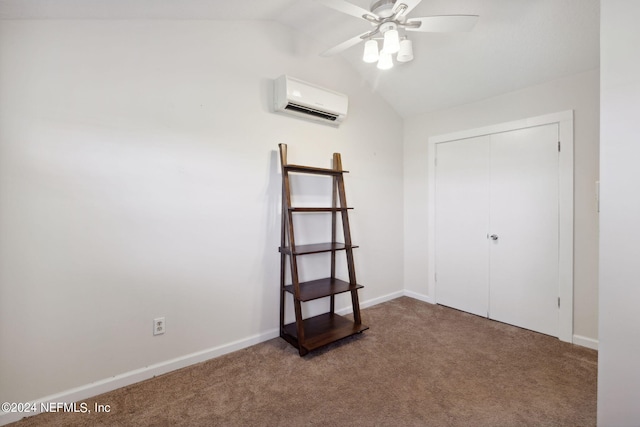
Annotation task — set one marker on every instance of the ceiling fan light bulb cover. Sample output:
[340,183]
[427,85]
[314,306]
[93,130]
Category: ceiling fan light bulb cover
[406,51]
[391,42]
[370,51]
[385,62]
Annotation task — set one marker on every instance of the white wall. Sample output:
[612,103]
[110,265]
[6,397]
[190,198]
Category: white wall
[618,360]
[139,178]
[578,93]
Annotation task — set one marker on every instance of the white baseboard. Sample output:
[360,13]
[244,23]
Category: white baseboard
[371,302]
[421,297]
[122,380]
[585,342]
[577,339]
[380,300]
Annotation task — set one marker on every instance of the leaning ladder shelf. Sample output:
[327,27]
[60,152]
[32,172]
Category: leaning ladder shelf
[314,332]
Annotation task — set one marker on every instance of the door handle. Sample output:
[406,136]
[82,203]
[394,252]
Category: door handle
[494,237]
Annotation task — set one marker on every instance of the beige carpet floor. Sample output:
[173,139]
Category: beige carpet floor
[418,365]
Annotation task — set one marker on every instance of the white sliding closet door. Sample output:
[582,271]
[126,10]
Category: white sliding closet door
[497,226]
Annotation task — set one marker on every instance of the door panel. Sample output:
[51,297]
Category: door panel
[462,214]
[524,216]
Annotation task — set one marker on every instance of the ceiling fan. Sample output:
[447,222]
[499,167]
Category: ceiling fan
[388,17]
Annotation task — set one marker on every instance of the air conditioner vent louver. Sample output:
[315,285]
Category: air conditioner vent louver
[309,101]
[311,111]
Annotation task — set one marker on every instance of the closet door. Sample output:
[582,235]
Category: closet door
[524,218]
[462,218]
[496,227]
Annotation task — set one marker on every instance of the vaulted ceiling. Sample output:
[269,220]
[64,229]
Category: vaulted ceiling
[515,44]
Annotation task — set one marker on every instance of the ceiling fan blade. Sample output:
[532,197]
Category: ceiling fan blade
[345,45]
[348,8]
[410,4]
[443,24]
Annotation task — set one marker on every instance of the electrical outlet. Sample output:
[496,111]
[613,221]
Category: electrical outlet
[159,326]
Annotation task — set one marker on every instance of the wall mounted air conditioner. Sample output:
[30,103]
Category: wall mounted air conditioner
[302,99]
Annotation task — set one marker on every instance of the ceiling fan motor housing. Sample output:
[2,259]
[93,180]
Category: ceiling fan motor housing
[385,26]
[383,8]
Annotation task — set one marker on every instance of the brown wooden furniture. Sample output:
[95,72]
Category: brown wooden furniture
[311,333]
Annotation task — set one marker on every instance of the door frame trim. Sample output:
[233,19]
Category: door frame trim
[564,120]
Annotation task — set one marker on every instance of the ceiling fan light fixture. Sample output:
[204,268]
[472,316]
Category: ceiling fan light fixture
[370,51]
[391,41]
[390,21]
[385,62]
[406,51]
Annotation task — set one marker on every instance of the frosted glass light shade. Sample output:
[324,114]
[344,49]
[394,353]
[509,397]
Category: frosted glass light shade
[391,42]
[370,51]
[385,62]
[406,51]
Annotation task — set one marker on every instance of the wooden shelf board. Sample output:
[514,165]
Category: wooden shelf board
[316,248]
[310,209]
[322,330]
[321,288]
[313,170]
